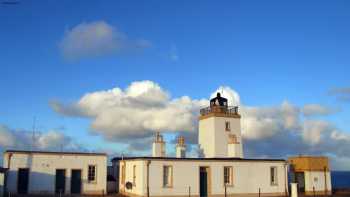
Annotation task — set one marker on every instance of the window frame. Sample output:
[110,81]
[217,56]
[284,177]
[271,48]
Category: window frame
[230,176]
[134,175]
[169,185]
[273,182]
[95,173]
[227,126]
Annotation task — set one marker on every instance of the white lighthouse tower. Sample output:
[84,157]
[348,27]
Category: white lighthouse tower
[220,130]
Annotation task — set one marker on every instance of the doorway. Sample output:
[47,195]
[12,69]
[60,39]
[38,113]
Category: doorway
[60,181]
[23,180]
[203,181]
[75,184]
[300,179]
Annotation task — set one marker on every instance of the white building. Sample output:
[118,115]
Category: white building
[2,181]
[312,174]
[219,132]
[38,172]
[220,168]
[202,176]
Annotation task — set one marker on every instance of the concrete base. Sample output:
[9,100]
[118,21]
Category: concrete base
[213,195]
[318,193]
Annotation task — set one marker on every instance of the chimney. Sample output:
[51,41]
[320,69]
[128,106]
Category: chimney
[158,147]
[180,147]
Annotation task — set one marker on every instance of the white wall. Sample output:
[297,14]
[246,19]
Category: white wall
[213,137]
[43,169]
[206,138]
[248,177]
[140,181]
[317,179]
[180,151]
[158,149]
[2,182]
[221,135]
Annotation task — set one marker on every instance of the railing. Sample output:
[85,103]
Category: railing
[230,110]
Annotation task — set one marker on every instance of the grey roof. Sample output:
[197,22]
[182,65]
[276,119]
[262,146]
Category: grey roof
[197,159]
[54,152]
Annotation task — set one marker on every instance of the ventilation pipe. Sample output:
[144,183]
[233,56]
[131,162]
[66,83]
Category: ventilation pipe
[180,147]
[158,147]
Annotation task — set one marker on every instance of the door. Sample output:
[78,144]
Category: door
[75,184]
[60,183]
[203,182]
[300,179]
[22,180]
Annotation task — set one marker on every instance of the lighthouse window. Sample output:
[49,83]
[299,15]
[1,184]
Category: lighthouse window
[273,175]
[227,126]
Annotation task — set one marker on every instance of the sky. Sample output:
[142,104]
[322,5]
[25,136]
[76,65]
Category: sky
[104,76]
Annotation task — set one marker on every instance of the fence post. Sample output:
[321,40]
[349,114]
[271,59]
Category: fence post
[147,191]
[225,189]
[259,191]
[313,189]
[189,191]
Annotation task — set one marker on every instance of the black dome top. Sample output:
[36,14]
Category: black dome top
[218,100]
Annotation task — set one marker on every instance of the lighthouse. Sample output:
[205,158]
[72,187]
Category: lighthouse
[219,132]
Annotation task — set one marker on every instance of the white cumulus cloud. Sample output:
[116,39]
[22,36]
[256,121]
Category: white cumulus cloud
[96,39]
[137,111]
[7,139]
[317,109]
[132,115]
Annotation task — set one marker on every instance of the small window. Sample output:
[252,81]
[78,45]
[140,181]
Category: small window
[92,173]
[167,176]
[228,175]
[227,126]
[134,175]
[273,175]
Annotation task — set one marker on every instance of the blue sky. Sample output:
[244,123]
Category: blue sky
[267,51]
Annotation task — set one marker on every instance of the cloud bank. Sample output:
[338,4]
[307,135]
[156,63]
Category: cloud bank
[97,39]
[342,94]
[135,112]
[132,115]
[23,140]
[316,109]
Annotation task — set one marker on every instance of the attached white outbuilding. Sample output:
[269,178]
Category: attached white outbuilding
[39,172]
[151,176]
[312,174]
[2,181]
